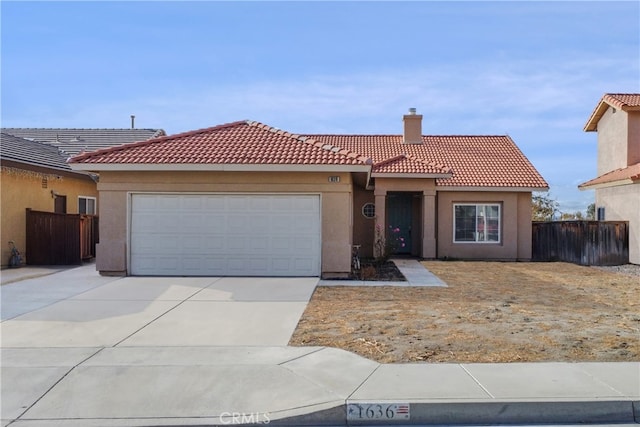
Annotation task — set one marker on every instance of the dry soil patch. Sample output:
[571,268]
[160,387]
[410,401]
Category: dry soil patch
[490,312]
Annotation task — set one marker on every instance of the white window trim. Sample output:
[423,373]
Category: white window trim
[476,242]
[95,204]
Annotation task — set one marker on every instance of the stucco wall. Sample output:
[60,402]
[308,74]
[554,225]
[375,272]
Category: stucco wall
[515,233]
[633,149]
[22,189]
[622,203]
[336,202]
[363,228]
[612,141]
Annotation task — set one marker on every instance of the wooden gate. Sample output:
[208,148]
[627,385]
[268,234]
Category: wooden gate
[581,242]
[60,239]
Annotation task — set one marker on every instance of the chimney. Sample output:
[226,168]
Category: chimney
[133,121]
[412,127]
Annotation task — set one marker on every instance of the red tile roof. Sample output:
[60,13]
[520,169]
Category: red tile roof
[473,161]
[628,175]
[462,161]
[621,101]
[243,142]
[407,164]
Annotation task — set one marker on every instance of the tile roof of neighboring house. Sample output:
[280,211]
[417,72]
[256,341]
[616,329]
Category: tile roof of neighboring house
[32,153]
[462,161]
[75,141]
[474,161]
[628,175]
[621,101]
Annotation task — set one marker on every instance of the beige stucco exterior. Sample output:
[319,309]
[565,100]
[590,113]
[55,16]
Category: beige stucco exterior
[619,147]
[618,140]
[432,218]
[612,140]
[622,203]
[35,188]
[336,207]
[515,242]
[343,223]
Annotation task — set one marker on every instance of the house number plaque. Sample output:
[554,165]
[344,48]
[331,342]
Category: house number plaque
[378,411]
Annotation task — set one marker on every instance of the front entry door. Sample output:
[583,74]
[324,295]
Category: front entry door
[399,211]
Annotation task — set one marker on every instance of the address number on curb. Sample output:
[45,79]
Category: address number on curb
[378,411]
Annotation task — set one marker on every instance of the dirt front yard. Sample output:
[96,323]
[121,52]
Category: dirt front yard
[490,312]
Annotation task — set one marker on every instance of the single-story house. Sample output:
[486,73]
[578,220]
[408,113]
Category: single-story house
[248,199]
[35,174]
[616,119]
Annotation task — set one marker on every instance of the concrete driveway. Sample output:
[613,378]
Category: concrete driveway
[78,347]
[79,308]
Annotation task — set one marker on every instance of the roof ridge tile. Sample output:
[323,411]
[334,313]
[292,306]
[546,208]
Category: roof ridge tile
[390,160]
[444,168]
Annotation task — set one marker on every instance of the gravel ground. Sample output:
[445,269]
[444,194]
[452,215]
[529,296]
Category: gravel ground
[630,269]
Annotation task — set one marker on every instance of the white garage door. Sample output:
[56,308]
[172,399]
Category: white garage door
[225,235]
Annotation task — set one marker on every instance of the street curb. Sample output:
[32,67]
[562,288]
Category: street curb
[483,413]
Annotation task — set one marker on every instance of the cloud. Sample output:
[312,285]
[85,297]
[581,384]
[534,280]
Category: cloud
[543,105]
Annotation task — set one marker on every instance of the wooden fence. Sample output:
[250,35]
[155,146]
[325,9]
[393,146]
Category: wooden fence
[581,242]
[60,239]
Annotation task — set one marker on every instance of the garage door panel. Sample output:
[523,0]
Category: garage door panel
[301,264]
[236,244]
[159,244]
[192,203]
[191,244]
[225,235]
[259,244]
[213,244]
[168,203]
[260,203]
[301,244]
[214,223]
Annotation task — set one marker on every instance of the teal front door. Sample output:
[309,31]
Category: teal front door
[399,211]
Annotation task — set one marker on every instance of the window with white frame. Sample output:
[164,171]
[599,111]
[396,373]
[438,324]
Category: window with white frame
[476,223]
[86,205]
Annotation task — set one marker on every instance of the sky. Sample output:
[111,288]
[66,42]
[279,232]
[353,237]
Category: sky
[532,70]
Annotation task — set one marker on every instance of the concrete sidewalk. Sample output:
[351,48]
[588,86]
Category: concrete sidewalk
[183,386]
[143,351]
[415,273]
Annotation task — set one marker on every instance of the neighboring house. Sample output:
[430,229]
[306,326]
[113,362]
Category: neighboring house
[247,199]
[74,141]
[35,174]
[616,118]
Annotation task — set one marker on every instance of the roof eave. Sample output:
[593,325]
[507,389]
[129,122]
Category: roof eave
[491,189]
[596,115]
[601,108]
[411,175]
[217,167]
[17,164]
[616,183]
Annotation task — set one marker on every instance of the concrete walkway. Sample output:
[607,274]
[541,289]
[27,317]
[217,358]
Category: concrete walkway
[416,274]
[104,351]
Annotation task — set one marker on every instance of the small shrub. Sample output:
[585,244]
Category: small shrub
[368,272]
[385,245]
